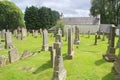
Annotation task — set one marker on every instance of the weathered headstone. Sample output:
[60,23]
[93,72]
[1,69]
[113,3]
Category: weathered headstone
[13,55]
[77,38]
[3,60]
[52,55]
[59,31]
[33,32]
[88,34]
[66,34]
[59,70]
[98,33]
[70,44]
[118,43]
[58,37]
[41,31]
[26,54]
[24,33]
[110,54]
[45,40]
[36,33]
[3,33]
[8,40]
[95,43]
[1,47]
[15,33]
[103,38]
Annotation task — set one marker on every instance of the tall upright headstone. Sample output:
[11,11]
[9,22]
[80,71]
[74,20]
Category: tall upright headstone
[40,31]
[52,55]
[13,55]
[77,38]
[59,36]
[103,38]
[118,43]
[36,33]
[45,40]
[8,40]
[59,70]
[3,33]
[110,54]
[95,43]
[24,33]
[70,44]
[66,34]
[15,33]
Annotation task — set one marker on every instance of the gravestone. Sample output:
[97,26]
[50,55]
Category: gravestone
[52,55]
[26,54]
[95,43]
[70,44]
[41,31]
[33,32]
[59,31]
[3,61]
[103,38]
[98,33]
[88,34]
[24,33]
[13,55]
[59,70]
[15,33]
[3,33]
[110,54]
[118,43]
[1,47]
[45,40]
[66,34]
[58,37]
[36,33]
[8,40]
[77,38]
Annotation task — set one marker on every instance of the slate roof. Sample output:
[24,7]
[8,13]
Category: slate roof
[81,20]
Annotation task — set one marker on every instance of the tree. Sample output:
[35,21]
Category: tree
[31,18]
[108,9]
[10,16]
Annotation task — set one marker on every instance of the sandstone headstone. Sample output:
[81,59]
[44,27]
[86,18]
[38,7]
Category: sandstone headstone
[13,55]
[3,33]
[3,61]
[8,39]
[66,34]
[52,55]
[26,54]
[33,32]
[70,44]
[59,70]
[59,37]
[41,31]
[45,40]
[77,38]
[36,33]
[24,33]
[15,33]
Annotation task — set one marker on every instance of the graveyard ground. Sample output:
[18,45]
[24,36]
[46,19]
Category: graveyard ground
[87,63]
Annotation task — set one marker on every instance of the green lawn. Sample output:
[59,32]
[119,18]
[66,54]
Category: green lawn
[87,63]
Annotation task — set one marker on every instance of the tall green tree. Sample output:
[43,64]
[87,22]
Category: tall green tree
[31,18]
[108,9]
[10,16]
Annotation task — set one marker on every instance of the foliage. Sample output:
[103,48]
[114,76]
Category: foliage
[10,16]
[43,17]
[60,24]
[31,18]
[108,9]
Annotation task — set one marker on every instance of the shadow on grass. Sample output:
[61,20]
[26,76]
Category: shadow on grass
[43,67]
[99,62]
[109,76]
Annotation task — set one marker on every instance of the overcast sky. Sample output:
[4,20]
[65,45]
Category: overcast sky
[69,8]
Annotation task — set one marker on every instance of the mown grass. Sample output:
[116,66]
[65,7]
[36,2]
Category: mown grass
[87,63]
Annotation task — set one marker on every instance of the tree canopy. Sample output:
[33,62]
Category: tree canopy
[10,16]
[108,9]
[43,17]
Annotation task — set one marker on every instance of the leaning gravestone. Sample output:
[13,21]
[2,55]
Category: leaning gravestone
[110,54]
[45,40]
[26,54]
[13,55]
[52,54]
[70,44]
[77,38]
[3,61]
[8,40]
[59,70]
